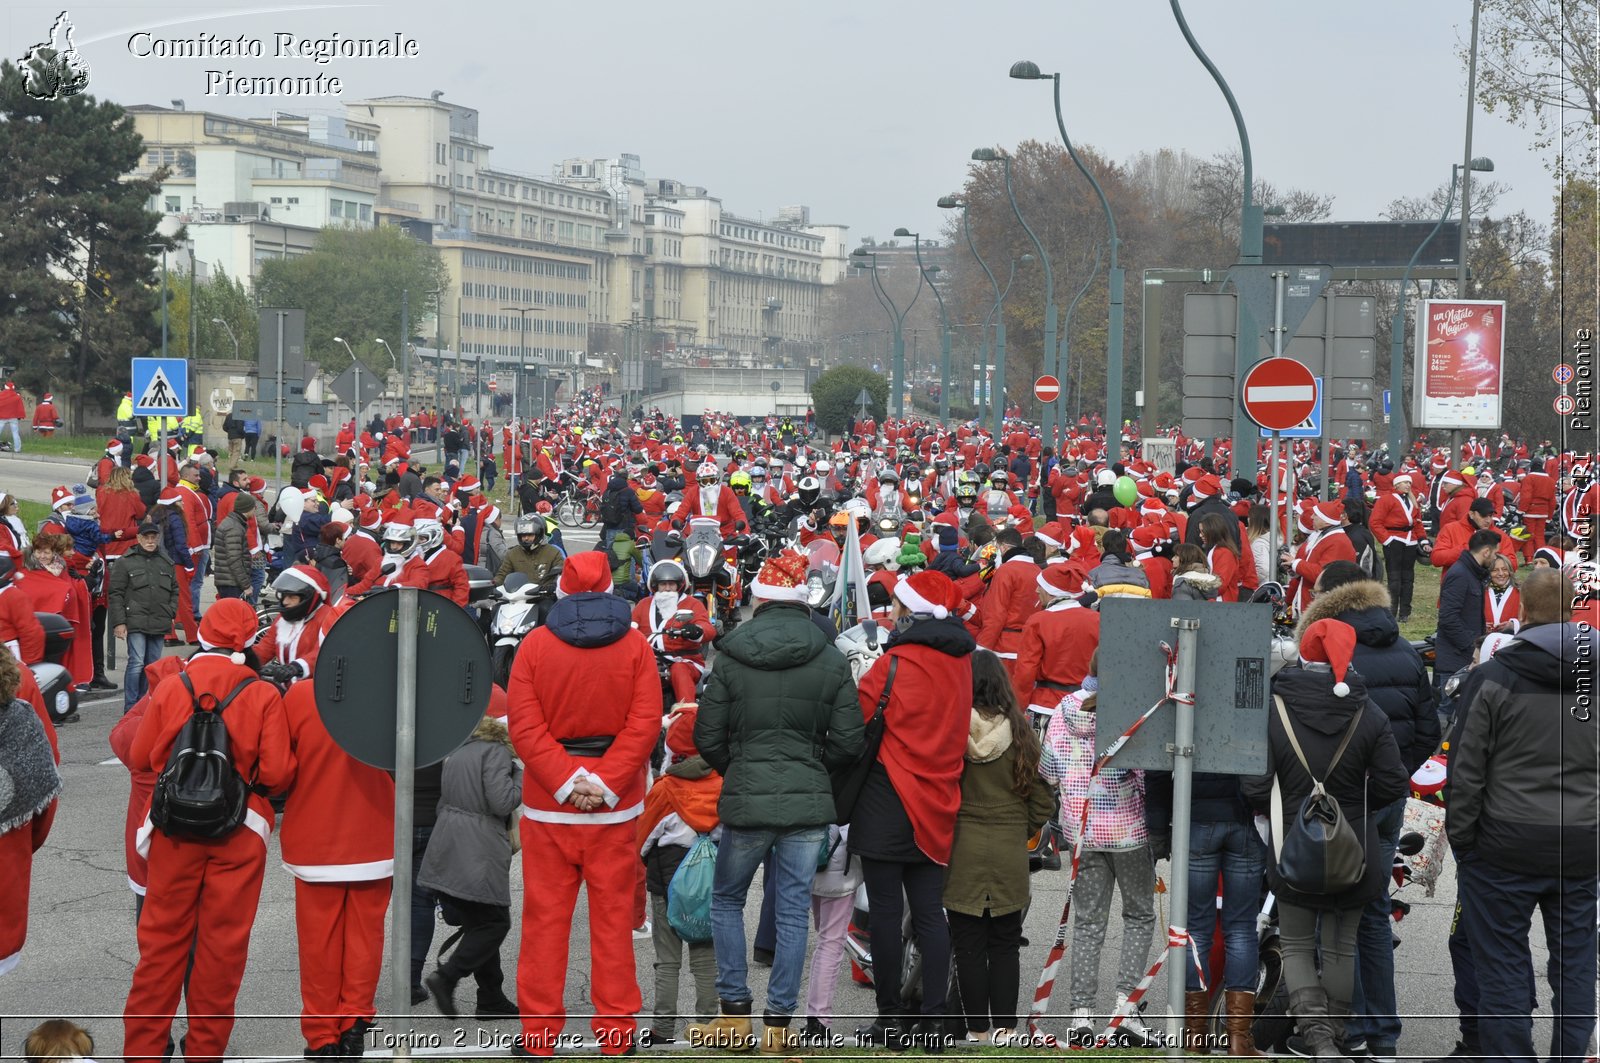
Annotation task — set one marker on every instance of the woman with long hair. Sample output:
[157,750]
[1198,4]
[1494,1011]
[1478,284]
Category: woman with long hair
[1257,529]
[1219,539]
[13,533]
[120,509]
[51,587]
[1003,803]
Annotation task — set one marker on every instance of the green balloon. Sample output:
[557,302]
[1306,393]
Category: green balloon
[1125,490]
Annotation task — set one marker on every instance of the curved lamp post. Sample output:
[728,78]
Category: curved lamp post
[981,391]
[944,346]
[1046,362]
[1026,70]
[897,386]
[1397,327]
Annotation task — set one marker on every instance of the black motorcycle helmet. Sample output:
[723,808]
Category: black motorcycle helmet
[809,490]
[530,531]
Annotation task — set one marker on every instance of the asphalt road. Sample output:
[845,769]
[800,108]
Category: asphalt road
[81,947]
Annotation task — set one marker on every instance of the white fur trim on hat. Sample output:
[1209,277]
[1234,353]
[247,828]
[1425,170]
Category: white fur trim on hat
[917,603]
[768,593]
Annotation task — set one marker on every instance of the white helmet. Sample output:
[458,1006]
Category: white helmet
[883,552]
[708,473]
[824,468]
[430,536]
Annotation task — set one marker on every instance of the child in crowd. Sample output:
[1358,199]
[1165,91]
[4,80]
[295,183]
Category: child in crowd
[1116,852]
[468,864]
[57,1041]
[1192,579]
[1003,803]
[681,806]
[833,894]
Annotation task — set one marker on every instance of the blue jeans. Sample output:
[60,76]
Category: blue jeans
[423,902]
[1235,851]
[16,438]
[142,650]
[794,865]
[199,557]
[1497,906]
[1373,1008]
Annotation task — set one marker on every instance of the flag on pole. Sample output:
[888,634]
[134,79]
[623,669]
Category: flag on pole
[852,579]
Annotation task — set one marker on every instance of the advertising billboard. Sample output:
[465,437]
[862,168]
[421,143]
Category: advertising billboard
[1460,363]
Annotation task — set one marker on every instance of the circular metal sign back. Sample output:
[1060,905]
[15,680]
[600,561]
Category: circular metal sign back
[356,679]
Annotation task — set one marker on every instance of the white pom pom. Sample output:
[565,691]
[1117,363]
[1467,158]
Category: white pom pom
[1341,689]
[236,658]
[940,612]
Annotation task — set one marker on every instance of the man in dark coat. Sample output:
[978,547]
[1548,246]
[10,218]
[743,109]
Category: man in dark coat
[1207,498]
[1523,819]
[1461,606]
[778,712]
[1397,682]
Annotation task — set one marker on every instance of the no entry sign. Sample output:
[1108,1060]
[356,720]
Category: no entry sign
[1047,389]
[1279,393]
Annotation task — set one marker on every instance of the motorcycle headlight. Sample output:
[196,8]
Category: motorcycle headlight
[702,559]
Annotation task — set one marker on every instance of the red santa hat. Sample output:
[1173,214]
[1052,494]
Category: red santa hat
[1207,486]
[1395,480]
[1152,510]
[1053,534]
[1333,643]
[59,497]
[1146,537]
[1452,479]
[1327,514]
[466,483]
[229,626]
[48,397]
[308,443]
[1082,539]
[781,579]
[588,572]
[299,579]
[1302,515]
[370,517]
[319,483]
[1061,581]
[680,734]
[114,447]
[144,461]
[488,515]
[928,592]
[1192,474]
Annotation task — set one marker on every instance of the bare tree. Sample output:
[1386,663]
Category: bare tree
[1538,62]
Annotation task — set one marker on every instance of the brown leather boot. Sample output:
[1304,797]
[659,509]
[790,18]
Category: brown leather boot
[1197,1022]
[1241,1015]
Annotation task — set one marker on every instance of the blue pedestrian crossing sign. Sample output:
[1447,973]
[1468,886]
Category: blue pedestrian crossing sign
[160,387]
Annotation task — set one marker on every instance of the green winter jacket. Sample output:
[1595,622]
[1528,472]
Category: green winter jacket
[144,592]
[778,712]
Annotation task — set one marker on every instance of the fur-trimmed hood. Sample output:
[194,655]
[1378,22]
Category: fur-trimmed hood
[1356,597]
[490,729]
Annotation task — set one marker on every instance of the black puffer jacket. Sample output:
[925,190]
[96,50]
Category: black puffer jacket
[1524,789]
[1368,776]
[1397,680]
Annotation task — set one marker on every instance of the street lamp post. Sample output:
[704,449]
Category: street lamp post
[396,367]
[981,392]
[1250,236]
[1047,425]
[944,348]
[1397,327]
[897,383]
[1029,71]
[229,330]
[355,368]
[522,349]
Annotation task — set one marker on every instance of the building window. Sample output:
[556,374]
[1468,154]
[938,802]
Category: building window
[174,204]
[366,212]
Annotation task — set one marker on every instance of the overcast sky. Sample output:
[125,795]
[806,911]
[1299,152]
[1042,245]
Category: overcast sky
[867,110]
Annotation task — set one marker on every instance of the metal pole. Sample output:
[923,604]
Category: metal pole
[982,389]
[1182,750]
[405,767]
[1048,420]
[405,353]
[1397,336]
[1250,236]
[1066,352]
[1466,159]
[277,450]
[1150,315]
[1272,518]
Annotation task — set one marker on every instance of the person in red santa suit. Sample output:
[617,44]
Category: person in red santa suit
[584,712]
[45,418]
[1396,523]
[1537,501]
[447,573]
[288,648]
[338,843]
[1153,547]
[1012,598]
[678,640]
[202,893]
[362,554]
[883,572]
[402,564]
[142,780]
[710,497]
[1327,542]
[1058,641]
[19,628]
[52,588]
[28,759]
[114,459]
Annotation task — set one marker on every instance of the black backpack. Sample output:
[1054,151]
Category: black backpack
[613,511]
[200,793]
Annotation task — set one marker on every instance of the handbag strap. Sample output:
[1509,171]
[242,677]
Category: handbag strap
[888,685]
[1288,729]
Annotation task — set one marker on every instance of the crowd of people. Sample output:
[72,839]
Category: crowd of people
[659,755]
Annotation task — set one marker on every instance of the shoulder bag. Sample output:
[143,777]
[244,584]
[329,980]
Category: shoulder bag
[849,780]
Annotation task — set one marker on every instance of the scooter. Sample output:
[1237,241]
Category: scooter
[521,608]
[55,682]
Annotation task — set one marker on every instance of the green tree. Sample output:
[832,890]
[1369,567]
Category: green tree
[218,296]
[1537,63]
[834,394]
[75,243]
[350,285]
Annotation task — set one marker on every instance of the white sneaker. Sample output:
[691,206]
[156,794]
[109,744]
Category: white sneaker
[1081,1032]
[1133,1027]
[642,933]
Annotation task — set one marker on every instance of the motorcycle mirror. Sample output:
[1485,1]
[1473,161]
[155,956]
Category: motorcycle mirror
[1410,844]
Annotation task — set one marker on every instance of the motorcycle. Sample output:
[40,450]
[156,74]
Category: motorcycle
[712,565]
[521,605]
[1285,650]
[55,682]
